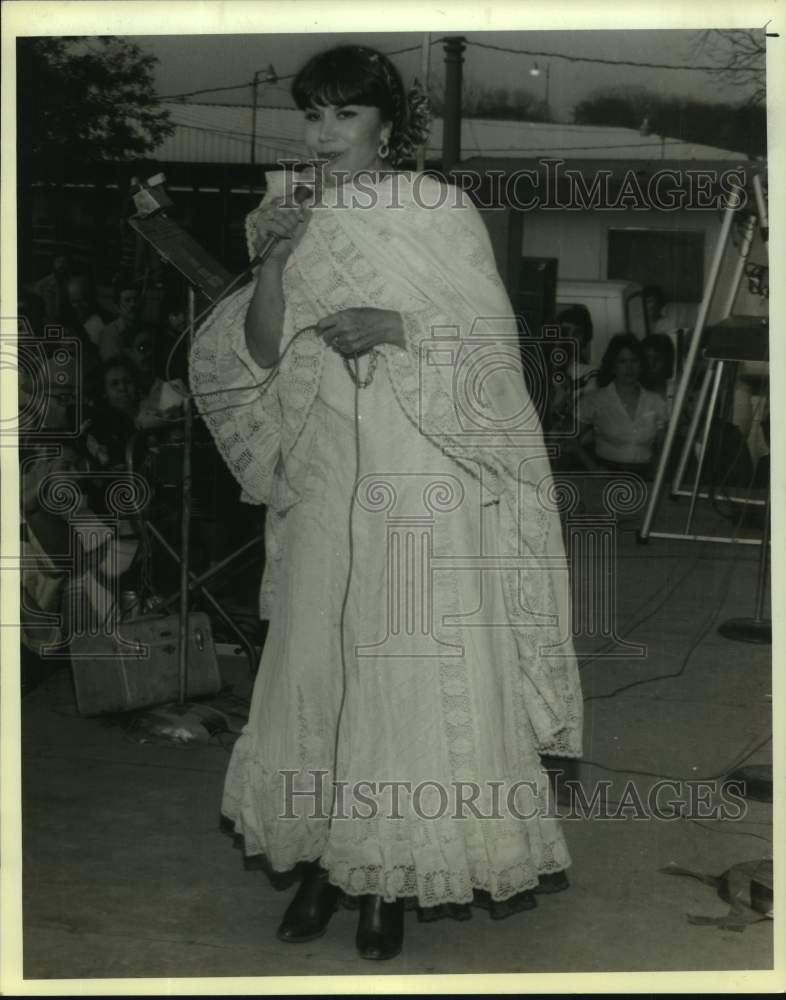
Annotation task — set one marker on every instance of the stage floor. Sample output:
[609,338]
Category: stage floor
[127,875]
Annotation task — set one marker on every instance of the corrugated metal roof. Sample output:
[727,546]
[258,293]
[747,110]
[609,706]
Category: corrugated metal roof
[210,133]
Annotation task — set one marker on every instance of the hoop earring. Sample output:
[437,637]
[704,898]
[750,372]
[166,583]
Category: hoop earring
[383,150]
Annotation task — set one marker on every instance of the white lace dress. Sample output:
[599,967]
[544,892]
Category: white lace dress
[457,669]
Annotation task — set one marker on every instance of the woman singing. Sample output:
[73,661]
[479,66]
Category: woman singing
[367,388]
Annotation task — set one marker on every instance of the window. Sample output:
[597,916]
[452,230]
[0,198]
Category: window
[670,258]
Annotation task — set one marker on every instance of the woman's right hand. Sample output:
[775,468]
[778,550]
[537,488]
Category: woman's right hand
[280,219]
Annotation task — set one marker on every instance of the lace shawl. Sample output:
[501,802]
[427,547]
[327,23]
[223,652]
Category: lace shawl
[414,245]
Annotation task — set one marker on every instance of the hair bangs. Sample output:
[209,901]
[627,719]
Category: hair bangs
[340,77]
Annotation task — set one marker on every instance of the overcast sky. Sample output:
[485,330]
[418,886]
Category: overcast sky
[194,62]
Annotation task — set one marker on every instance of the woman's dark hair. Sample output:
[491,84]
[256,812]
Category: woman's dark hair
[579,316]
[618,343]
[355,74]
[661,344]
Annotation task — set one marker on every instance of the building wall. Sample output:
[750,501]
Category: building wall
[579,240]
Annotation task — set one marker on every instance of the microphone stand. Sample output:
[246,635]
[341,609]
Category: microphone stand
[185,519]
[757,629]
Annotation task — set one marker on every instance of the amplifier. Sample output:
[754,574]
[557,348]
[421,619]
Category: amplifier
[138,665]
[738,338]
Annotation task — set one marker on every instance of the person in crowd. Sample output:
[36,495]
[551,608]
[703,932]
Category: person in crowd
[572,374]
[116,401]
[31,313]
[171,330]
[658,373]
[311,382]
[625,421]
[655,307]
[118,335]
[81,316]
[69,548]
[52,287]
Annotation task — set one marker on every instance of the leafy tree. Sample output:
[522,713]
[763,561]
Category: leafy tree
[83,101]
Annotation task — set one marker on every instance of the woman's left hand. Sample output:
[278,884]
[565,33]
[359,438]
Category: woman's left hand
[355,331]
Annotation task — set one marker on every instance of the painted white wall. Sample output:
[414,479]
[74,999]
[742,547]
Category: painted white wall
[579,240]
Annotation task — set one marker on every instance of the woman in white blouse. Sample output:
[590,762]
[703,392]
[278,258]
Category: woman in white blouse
[626,421]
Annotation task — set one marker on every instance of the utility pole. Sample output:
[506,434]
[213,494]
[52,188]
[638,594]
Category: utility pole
[536,71]
[451,123]
[270,77]
[254,99]
[425,65]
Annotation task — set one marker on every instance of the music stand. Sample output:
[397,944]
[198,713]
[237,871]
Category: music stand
[203,274]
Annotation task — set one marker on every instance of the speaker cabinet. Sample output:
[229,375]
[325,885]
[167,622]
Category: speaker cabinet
[138,665]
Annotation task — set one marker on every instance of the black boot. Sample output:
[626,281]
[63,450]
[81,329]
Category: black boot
[380,928]
[309,913]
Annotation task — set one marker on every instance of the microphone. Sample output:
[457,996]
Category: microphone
[300,194]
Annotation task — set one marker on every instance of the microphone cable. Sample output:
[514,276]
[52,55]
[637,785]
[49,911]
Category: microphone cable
[263,385]
[347,586]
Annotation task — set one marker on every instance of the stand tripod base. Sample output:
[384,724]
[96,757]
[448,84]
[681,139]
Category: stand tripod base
[757,630]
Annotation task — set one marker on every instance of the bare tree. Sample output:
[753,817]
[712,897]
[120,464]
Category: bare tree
[739,56]
[481,101]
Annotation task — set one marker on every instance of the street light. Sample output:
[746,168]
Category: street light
[536,71]
[270,77]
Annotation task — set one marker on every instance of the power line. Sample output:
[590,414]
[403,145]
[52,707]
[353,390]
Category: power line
[206,90]
[591,59]
[287,76]
[479,45]
[243,136]
[479,150]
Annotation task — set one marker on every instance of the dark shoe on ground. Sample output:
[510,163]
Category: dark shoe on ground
[451,911]
[307,916]
[380,933]
[553,882]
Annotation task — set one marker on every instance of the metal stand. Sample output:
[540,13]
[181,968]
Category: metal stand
[189,581]
[185,518]
[710,386]
[198,583]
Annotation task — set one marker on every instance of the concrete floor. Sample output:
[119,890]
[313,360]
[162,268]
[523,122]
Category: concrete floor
[127,875]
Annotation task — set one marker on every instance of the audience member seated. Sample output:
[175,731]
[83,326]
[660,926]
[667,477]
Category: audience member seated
[574,374]
[68,547]
[625,420]
[117,336]
[31,313]
[123,404]
[658,374]
[654,299]
[171,330]
[82,317]
[52,287]
[115,405]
